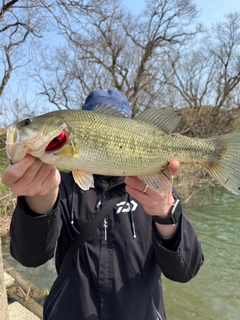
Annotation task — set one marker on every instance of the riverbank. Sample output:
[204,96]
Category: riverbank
[19,299]
[4,225]
[18,312]
[15,310]
[17,294]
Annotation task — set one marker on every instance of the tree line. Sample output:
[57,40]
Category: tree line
[162,57]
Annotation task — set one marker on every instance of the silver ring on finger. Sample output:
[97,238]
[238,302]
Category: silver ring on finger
[145,189]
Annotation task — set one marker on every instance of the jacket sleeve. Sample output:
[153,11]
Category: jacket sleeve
[181,258]
[33,235]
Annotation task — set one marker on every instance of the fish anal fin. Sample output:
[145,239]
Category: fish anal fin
[83,179]
[159,182]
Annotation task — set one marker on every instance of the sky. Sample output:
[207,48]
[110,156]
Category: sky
[210,10]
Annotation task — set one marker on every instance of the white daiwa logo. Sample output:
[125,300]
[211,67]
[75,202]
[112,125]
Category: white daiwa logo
[126,206]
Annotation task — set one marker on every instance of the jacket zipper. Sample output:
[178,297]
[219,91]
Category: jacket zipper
[105,225]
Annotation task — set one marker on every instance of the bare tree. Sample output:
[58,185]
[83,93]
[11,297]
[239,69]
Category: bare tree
[16,105]
[102,45]
[27,30]
[21,24]
[224,45]
[191,73]
[106,46]
[208,73]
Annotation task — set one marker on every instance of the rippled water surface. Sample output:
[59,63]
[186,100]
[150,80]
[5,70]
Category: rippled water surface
[215,293]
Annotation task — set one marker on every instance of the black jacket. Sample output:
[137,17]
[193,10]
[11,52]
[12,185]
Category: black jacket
[117,274]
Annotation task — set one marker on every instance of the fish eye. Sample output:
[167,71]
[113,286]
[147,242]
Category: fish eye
[26,122]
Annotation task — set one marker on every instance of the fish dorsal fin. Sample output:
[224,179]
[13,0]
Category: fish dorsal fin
[165,119]
[110,111]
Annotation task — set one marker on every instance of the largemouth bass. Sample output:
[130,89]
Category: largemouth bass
[104,142]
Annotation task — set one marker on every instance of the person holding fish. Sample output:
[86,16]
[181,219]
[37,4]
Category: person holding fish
[116,274]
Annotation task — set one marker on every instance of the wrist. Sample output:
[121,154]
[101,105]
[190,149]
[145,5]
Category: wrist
[166,210]
[173,215]
[42,204]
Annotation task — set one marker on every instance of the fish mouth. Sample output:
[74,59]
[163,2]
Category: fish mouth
[57,143]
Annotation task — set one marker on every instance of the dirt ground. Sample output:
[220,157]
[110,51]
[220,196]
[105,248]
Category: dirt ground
[4,225]
[7,205]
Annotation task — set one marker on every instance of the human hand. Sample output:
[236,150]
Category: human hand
[31,177]
[154,204]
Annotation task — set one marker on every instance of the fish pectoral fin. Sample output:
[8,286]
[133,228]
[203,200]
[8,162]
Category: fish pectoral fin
[159,182]
[83,179]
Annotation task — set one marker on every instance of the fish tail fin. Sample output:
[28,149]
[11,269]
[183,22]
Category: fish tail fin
[226,169]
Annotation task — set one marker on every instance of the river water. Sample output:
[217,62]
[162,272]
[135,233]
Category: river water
[215,293]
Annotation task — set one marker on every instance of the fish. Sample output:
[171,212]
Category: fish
[105,142]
